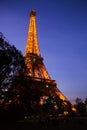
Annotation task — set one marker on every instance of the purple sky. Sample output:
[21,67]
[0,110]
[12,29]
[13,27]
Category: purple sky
[62,36]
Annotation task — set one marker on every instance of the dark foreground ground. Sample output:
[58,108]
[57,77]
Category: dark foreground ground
[55,124]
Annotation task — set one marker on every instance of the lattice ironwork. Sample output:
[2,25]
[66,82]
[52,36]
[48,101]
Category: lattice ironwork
[34,62]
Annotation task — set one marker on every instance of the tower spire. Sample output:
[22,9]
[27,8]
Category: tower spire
[32,39]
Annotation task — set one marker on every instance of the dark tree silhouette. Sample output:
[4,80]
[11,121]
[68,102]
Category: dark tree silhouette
[78,100]
[11,64]
[81,106]
[86,101]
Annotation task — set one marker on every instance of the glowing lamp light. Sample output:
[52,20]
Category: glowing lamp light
[73,109]
[41,101]
[65,113]
[47,86]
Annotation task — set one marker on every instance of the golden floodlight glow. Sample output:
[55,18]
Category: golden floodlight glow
[32,40]
[34,62]
[61,95]
[33,59]
[73,109]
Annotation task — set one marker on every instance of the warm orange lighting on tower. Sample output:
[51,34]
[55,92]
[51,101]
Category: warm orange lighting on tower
[34,62]
[32,40]
[61,95]
[32,55]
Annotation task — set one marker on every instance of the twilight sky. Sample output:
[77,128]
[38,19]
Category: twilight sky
[62,36]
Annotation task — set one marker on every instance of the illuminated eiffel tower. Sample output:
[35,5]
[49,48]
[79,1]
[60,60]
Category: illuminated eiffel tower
[36,69]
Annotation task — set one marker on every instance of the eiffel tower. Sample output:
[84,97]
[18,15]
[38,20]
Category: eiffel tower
[36,69]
